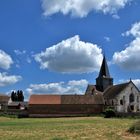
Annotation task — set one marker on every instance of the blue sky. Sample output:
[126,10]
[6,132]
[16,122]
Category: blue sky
[53,47]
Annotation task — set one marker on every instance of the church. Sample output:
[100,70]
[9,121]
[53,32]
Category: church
[123,98]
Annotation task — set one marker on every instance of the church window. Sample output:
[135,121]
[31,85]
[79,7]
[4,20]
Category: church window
[137,99]
[121,102]
[138,108]
[132,108]
[131,98]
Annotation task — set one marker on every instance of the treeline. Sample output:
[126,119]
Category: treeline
[17,96]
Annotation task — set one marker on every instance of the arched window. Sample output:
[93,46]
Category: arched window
[131,98]
[121,102]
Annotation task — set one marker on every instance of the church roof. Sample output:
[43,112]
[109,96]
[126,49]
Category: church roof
[112,91]
[104,71]
[91,89]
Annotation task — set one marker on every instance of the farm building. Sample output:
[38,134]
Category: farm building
[45,105]
[3,101]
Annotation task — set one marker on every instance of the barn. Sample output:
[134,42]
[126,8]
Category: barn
[65,105]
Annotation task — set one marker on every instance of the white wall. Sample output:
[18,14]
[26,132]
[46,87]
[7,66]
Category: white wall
[126,93]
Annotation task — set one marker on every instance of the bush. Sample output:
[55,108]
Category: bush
[135,128]
[109,113]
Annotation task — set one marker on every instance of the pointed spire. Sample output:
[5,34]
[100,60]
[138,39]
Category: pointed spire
[104,71]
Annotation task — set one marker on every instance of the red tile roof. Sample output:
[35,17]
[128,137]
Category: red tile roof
[45,99]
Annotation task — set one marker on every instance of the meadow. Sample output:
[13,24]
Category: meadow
[76,128]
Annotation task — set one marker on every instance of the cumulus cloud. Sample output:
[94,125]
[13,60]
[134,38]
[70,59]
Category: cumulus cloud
[81,8]
[72,87]
[134,31]
[6,79]
[71,56]
[129,58]
[5,60]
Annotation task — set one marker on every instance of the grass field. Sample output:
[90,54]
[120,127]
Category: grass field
[80,128]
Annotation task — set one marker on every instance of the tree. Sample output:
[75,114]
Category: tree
[20,95]
[13,96]
[17,96]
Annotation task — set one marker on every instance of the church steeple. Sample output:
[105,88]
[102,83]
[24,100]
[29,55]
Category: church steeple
[104,79]
[104,72]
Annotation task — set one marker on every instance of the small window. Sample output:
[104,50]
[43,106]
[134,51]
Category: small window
[137,99]
[132,108]
[121,102]
[138,108]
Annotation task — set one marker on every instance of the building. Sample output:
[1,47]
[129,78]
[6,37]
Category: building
[3,102]
[123,97]
[65,105]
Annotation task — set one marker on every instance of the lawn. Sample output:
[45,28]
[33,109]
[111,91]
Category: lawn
[78,128]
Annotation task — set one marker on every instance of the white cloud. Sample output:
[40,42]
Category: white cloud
[72,87]
[134,31]
[81,8]
[19,52]
[22,56]
[71,56]
[137,82]
[6,79]
[129,58]
[107,38]
[5,60]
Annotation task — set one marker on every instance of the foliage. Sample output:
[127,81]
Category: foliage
[17,95]
[135,128]
[109,113]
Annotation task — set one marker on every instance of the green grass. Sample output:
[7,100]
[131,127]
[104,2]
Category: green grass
[80,128]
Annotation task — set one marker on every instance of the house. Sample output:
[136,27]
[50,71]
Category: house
[62,105]
[3,101]
[17,105]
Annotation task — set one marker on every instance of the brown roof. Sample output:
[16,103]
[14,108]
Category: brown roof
[4,98]
[67,99]
[45,99]
[112,91]
[90,89]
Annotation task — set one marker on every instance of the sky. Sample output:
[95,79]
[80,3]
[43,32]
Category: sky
[56,47]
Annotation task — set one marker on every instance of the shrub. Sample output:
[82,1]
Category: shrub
[135,128]
[109,113]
